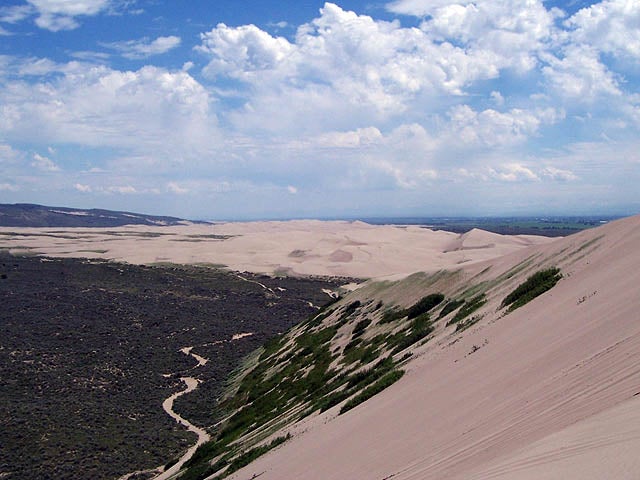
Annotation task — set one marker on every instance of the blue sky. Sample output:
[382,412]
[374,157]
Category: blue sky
[281,109]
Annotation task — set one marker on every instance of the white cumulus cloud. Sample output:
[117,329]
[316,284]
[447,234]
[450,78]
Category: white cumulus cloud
[143,48]
[611,26]
[56,15]
[239,52]
[580,75]
[559,174]
[98,106]
[44,164]
[513,172]
[83,188]
[173,187]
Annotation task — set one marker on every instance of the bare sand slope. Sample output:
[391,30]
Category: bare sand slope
[550,391]
[309,247]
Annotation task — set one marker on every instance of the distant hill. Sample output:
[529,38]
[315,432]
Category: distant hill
[30,215]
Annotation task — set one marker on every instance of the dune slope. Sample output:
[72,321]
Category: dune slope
[550,390]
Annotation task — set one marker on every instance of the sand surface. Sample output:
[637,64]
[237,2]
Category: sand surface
[305,247]
[550,391]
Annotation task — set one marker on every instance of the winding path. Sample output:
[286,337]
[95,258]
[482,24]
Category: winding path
[191,384]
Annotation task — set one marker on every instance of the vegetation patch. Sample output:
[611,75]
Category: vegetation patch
[351,308]
[392,314]
[249,456]
[356,382]
[424,305]
[360,327]
[384,382]
[468,308]
[535,285]
[462,326]
[449,307]
[420,328]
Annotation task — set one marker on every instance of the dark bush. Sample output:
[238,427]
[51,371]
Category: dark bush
[535,285]
[392,314]
[250,455]
[360,327]
[424,305]
[449,307]
[468,308]
[352,307]
[384,382]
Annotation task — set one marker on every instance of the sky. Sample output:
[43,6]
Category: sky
[224,109]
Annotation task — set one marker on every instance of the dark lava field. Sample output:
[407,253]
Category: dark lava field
[89,350]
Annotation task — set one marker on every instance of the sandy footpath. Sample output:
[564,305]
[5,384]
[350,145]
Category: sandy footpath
[305,247]
[551,391]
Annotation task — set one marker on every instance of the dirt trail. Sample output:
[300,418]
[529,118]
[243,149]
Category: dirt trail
[191,384]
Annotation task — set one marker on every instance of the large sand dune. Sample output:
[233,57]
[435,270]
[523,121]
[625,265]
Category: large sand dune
[338,248]
[550,391]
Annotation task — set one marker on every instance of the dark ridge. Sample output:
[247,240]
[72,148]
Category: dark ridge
[31,215]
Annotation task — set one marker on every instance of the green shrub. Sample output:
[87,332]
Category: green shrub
[250,455]
[468,308]
[387,380]
[360,327]
[424,305]
[363,353]
[272,346]
[313,340]
[449,307]
[198,472]
[205,452]
[393,314]
[352,344]
[420,328]
[535,285]
[356,382]
[462,326]
[352,307]
[365,377]
[411,339]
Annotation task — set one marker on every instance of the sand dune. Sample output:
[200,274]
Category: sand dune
[309,247]
[549,391]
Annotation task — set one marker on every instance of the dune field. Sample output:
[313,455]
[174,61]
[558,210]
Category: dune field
[304,247]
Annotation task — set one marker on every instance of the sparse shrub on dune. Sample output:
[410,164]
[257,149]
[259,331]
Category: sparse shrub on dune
[392,314]
[249,456]
[421,327]
[535,285]
[424,305]
[449,307]
[468,308]
[352,307]
[384,382]
[360,327]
